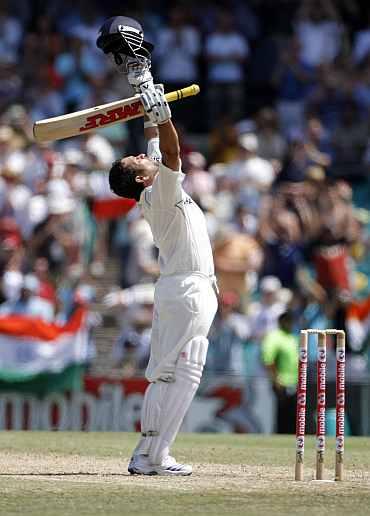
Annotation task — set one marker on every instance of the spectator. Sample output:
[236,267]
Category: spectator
[198,183]
[263,315]
[226,52]
[319,30]
[236,257]
[11,32]
[46,288]
[53,238]
[282,239]
[11,248]
[271,145]
[349,141]
[47,101]
[225,189]
[141,264]
[250,170]
[14,195]
[29,302]
[223,142]
[226,337]
[329,95]
[361,90]
[293,79]
[280,356]
[361,44]
[317,143]
[296,160]
[11,84]
[338,228]
[7,139]
[11,286]
[245,221]
[131,350]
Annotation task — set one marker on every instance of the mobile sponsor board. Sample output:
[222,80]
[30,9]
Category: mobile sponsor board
[109,405]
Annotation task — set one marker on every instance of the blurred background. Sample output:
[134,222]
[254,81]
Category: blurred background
[276,149]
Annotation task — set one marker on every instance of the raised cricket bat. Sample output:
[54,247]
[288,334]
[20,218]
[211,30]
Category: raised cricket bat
[87,120]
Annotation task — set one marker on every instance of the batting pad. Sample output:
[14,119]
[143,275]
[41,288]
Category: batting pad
[165,404]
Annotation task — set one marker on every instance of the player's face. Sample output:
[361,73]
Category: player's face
[145,167]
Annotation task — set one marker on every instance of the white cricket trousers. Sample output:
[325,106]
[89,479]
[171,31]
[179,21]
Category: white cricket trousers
[184,308]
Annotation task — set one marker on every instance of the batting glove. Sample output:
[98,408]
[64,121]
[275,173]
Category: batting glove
[155,105]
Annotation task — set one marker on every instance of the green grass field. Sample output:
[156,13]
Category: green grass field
[73,474]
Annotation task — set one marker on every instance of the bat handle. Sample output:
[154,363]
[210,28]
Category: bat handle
[184,92]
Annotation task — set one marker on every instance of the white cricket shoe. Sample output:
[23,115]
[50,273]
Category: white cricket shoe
[140,465]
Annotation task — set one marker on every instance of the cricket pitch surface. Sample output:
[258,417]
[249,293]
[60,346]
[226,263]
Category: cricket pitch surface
[75,474]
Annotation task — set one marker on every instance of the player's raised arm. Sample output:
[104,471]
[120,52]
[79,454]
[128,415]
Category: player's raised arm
[169,145]
[157,109]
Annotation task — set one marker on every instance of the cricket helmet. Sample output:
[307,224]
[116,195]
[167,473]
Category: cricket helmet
[124,37]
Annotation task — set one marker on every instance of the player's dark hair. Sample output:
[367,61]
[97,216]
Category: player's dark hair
[122,181]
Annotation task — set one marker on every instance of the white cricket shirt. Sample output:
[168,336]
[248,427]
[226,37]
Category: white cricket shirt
[178,225]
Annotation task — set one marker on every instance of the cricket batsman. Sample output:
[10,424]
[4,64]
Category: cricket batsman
[185,300]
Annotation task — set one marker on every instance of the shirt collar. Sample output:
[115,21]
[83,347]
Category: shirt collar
[142,195]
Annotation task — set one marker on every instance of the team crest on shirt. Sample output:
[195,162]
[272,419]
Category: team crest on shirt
[183,202]
[187,200]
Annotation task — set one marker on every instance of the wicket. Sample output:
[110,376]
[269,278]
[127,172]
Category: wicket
[321,401]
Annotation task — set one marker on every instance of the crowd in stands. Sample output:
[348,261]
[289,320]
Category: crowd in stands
[276,151]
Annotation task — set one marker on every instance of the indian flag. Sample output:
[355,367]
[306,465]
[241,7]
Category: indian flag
[31,348]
